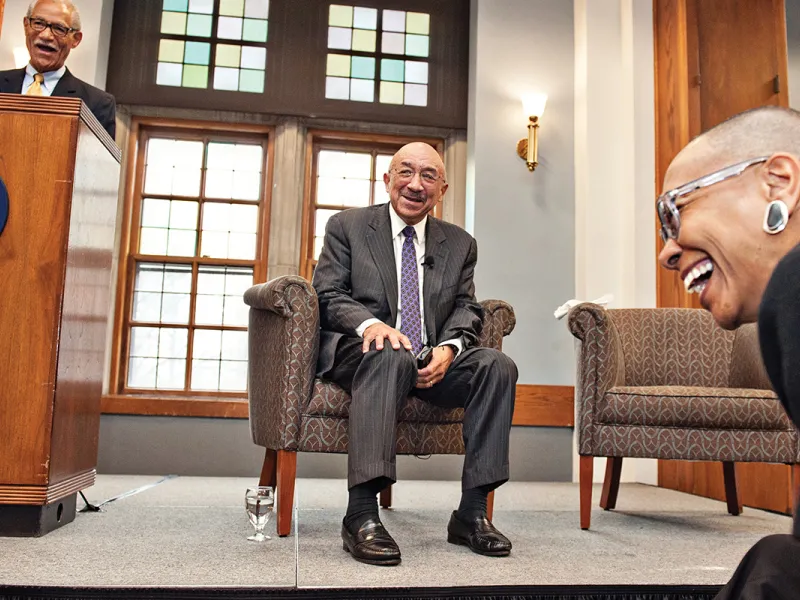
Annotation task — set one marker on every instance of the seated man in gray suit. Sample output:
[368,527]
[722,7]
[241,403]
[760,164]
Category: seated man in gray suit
[392,281]
[52,30]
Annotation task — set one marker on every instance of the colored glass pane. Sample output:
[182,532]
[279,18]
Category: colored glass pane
[416,95]
[337,88]
[365,18]
[339,38]
[393,43]
[391,92]
[394,20]
[338,65]
[228,55]
[226,79]
[254,30]
[364,40]
[205,7]
[251,81]
[230,28]
[176,5]
[197,53]
[169,74]
[392,70]
[418,23]
[363,67]
[416,72]
[340,16]
[173,23]
[170,51]
[362,90]
[256,9]
[195,76]
[199,25]
[417,45]
[231,8]
[253,58]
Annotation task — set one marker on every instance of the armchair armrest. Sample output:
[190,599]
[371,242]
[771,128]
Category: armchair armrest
[283,338]
[498,321]
[599,365]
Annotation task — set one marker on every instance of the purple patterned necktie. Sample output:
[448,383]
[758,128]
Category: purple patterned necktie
[410,318]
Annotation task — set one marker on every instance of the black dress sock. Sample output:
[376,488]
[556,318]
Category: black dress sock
[473,503]
[363,502]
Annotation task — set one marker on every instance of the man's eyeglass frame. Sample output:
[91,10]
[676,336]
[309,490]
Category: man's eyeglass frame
[666,204]
[40,25]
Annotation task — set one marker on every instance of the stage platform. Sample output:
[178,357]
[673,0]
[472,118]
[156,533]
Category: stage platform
[186,538]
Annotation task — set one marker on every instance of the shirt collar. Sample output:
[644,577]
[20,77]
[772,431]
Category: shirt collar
[398,225]
[50,76]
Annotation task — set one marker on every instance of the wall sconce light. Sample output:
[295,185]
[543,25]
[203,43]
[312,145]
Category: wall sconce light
[528,149]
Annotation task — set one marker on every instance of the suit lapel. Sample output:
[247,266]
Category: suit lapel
[67,86]
[379,240]
[11,83]
[432,283]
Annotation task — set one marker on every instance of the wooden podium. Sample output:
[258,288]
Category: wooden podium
[61,172]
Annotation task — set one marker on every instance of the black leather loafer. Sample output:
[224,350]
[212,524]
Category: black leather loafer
[371,544]
[479,535]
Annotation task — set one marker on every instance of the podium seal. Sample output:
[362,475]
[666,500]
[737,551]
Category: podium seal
[3,205]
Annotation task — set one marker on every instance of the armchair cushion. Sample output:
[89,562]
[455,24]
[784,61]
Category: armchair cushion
[329,400]
[693,407]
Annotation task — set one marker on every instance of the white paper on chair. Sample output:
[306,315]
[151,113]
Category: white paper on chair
[562,310]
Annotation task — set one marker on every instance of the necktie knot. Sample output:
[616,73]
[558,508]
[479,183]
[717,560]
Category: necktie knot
[408,231]
[38,78]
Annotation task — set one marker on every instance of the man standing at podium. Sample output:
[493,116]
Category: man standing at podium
[52,30]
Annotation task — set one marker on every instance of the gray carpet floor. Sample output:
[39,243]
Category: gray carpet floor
[192,531]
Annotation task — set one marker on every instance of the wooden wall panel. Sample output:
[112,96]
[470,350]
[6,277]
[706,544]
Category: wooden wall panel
[536,406]
[714,59]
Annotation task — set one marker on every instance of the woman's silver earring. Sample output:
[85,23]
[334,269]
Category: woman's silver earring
[775,217]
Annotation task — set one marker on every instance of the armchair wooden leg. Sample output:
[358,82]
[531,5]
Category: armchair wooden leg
[585,478]
[490,505]
[269,468]
[795,488]
[732,494]
[608,500]
[286,473]
[386,497]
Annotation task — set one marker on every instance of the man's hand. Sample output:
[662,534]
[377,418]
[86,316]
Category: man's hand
[432,374]
[378,332]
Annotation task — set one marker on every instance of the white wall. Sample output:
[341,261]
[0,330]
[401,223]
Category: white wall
[524,222]
[615,164]
[89,61]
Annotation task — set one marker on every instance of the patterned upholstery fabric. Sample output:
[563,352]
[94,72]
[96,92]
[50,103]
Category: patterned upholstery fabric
[698,407]
[669,383]
[290,409]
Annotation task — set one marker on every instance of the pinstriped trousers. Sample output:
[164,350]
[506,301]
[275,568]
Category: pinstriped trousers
[480,380]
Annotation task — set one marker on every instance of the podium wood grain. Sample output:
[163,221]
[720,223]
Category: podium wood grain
[55,289]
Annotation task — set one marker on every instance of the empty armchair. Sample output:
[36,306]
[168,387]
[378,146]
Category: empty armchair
[293,411]
[671,384]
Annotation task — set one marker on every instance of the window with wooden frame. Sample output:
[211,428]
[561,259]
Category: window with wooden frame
[196,238]
[385,61]
[345,170]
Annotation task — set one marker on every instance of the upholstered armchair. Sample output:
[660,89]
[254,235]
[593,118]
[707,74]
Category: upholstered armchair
[292,411]
[671,384]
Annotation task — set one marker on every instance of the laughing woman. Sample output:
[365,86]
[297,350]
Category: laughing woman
[733,234]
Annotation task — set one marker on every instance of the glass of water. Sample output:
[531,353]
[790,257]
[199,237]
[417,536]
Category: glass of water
[259,502]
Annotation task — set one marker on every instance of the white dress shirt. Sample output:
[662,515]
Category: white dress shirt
[51,79]
[398,239]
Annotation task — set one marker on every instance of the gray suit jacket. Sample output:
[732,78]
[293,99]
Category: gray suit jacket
[356,279]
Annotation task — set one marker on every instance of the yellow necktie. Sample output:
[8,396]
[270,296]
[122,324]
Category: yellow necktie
[36,86]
